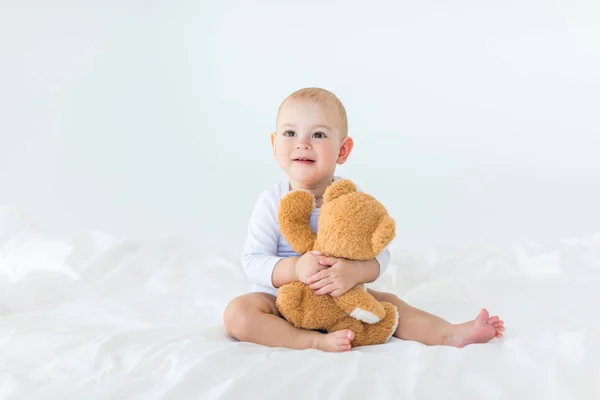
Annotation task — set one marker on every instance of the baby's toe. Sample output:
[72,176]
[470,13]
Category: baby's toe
[493,320]
[343,344]
[343,340]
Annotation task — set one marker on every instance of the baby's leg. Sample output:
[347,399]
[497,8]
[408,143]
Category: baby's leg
[418,325]
[254,318]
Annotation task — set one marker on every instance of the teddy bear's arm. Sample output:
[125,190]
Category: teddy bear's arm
[294,220]
[361,305]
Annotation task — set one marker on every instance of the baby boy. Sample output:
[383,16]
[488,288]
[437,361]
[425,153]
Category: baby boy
[310,140]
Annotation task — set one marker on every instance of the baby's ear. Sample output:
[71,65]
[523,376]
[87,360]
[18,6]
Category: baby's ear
[339,188]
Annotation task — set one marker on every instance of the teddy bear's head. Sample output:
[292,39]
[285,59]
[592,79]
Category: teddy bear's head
[352,224]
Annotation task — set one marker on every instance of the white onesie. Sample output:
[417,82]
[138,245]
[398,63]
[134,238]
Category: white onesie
[265,245]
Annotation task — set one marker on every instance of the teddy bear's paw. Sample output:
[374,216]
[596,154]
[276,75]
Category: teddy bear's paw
[293,216]
[296,205]
[290,296]
[364,316]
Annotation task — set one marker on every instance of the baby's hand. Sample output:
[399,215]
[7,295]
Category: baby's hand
[308,265]
[336,280]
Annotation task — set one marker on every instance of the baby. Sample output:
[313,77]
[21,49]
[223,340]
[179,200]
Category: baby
[311,138]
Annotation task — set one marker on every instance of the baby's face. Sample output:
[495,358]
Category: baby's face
[307,141]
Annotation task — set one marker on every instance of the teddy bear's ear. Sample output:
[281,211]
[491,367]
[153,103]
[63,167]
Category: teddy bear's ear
[384,234]
[339,188]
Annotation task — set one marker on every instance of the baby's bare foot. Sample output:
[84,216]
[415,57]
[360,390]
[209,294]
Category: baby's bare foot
[335,341]
[481,330]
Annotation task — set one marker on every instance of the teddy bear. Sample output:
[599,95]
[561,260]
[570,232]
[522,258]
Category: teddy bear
[352,225]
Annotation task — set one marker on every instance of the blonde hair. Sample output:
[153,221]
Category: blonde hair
[322,97]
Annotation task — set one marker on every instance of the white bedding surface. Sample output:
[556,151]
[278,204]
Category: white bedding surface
[94,318]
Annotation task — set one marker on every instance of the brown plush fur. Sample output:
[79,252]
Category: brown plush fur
[352,225]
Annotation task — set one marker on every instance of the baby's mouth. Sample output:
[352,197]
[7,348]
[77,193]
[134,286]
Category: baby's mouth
[303,160]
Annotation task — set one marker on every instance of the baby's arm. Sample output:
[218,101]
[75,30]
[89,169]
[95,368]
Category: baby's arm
[285,272]
[260,261]
[367,271]
[354,272]
[372,269]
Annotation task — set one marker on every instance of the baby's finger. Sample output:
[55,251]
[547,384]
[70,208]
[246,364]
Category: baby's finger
[322,267]
[320,284]
[327,289]
[318,276]
[328,261]
[337,292]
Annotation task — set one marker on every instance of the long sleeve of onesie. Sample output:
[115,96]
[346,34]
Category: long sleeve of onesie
[383,259]
[260,250]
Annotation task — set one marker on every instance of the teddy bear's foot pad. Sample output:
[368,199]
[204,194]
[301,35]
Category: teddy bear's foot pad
[364,316]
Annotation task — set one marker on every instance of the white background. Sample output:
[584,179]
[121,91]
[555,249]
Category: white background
[473,121]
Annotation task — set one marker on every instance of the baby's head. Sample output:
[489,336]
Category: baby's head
[311,136]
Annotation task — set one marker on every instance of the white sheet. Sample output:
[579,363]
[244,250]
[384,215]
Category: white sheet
[93,318]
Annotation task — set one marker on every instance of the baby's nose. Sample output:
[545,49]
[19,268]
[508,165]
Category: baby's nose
[302,145]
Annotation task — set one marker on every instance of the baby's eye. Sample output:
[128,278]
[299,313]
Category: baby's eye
[319,135]
[289,133]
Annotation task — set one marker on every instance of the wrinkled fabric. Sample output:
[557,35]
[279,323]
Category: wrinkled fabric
[96,318]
